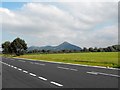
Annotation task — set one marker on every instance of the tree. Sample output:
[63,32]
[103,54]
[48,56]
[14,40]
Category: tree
[100,50]
[95,49]
[91,49]
[19,46]
[6,47]
[111,49]
[85,49]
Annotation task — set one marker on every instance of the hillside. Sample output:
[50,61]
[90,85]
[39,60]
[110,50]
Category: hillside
[63,46]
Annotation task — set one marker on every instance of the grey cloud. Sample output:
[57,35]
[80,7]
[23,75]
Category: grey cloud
[74,23]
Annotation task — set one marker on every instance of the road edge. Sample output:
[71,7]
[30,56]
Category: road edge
[69,63]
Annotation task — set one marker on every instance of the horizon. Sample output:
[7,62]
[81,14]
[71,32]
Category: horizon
[72,44]
[84,24]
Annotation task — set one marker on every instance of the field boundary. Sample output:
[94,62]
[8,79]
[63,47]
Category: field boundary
[70,63]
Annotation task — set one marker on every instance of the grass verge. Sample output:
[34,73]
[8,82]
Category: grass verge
[107,59]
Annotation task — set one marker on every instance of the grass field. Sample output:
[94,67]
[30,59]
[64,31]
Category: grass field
[96,58]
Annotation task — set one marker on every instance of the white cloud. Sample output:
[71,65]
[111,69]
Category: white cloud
[74,22]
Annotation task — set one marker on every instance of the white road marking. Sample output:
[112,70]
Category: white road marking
[12,66]
[19,69]
[96,73]
[21,61]
[36,63]
[67,68]
[40,64]
[12,59]
[74,69]
[92,73]
[109,74]
[60,85]
[5,63]
[63,68]
[42,78]
[15,67]
[31,62]
[70,64]
[32,74]
[25,71]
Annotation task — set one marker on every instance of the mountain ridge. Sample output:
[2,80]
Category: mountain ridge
[63,46]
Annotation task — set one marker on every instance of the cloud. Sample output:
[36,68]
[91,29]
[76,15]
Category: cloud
[51,24]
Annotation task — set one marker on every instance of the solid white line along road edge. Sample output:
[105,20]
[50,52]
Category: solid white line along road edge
[42,78]
[96,73]
[60,85]
[32,74]
[71,64]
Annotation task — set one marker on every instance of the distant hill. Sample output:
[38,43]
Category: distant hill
[63,46]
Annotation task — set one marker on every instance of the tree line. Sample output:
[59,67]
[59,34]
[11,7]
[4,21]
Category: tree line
[114,48]
[19,47]
[16,47]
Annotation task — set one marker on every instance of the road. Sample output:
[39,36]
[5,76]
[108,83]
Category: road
[20,73]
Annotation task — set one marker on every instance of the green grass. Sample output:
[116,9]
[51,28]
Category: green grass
[96,58]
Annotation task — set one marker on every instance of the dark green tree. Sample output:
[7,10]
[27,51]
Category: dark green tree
[95,49]
[91,49]
[19,46]
[6,47]
[85,49]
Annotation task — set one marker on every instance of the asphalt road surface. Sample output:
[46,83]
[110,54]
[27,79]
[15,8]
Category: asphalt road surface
[20,73]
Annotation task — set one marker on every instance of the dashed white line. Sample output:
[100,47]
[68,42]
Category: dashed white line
[92,73]
[96,73]
[31,62]
[12,59]
[74,69]
[21,61]
[40,64]
[25,71]
[32,74]
[109,74]
[15,67]
[67,68]
[60,85]
[42,78]
[63,68]
[19,69]
[12,66]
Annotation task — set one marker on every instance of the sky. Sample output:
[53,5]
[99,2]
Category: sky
[85,24]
